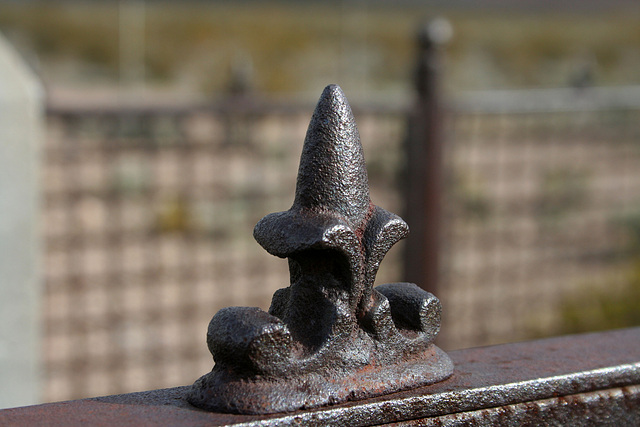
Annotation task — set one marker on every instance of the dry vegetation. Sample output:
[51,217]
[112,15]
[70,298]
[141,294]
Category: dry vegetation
[295,47]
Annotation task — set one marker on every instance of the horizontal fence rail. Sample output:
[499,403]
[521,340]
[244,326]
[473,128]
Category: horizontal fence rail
[544,382]
[516,101]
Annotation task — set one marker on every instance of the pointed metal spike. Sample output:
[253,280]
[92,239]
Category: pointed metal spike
[332,174]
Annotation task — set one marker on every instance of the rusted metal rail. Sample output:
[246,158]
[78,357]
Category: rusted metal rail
[585,379]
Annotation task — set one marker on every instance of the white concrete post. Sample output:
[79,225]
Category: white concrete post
[21,119]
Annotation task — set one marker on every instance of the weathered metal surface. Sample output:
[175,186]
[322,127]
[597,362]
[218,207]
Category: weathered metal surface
[612,407]
[330,336]
[557,381]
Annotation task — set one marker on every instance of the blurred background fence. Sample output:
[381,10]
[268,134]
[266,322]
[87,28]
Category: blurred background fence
[149,213]
[542,214]
[149,202]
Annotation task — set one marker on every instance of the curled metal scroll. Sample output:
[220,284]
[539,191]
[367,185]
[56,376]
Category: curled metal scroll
[330,336]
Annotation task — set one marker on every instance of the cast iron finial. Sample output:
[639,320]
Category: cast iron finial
[330,336]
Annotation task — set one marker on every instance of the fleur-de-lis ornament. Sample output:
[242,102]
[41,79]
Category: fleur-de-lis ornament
[330,336]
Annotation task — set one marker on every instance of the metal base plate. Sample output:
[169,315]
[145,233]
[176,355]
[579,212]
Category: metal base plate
[221,391]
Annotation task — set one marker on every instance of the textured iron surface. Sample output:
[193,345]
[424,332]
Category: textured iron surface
[330,336]
[566,379]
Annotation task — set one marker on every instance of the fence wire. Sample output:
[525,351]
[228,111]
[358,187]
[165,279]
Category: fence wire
[148,224]
[148,218]
[543,210]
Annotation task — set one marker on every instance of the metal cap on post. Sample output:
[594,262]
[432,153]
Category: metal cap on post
[330,336]
[423,179]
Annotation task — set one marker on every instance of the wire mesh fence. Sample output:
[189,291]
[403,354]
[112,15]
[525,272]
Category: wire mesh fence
[543,196]
[148,217]
[148,223]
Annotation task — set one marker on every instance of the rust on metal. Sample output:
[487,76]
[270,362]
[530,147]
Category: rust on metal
[330,336]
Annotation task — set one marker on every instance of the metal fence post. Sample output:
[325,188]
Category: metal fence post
[423,176]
